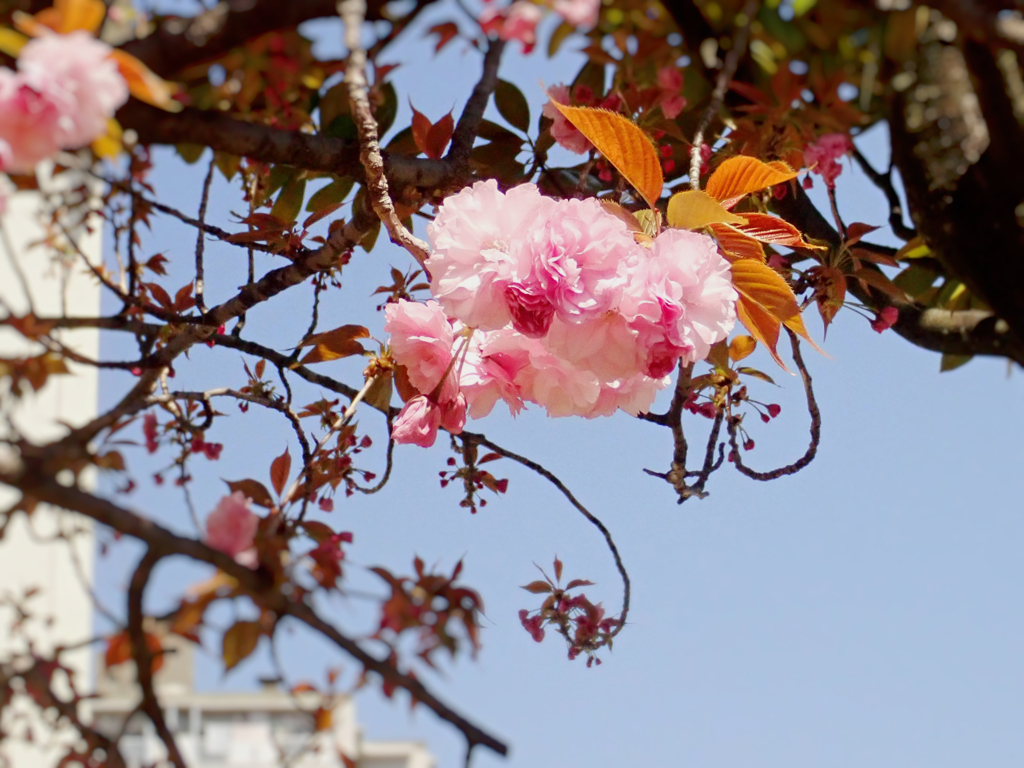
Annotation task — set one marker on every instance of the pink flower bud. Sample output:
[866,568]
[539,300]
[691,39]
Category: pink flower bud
[231,527]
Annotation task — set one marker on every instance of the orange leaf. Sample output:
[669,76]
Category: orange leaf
[623,144]
[741,347]
[694,209]
[119,650]
[280,468]
[739,176]
[761,324]
[334,344]
[144,84]
[767,301]
[772,229]
[735,244]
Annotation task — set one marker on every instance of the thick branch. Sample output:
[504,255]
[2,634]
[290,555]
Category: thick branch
[274,145]
[469,123]
[353,14]
[178,42]
[967,332]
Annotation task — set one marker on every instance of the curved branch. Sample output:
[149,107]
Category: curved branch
[144,659]
[469,122]
[594,520]
[812,407]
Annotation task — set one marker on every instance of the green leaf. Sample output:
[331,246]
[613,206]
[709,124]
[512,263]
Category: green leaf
[190,153]
[952,362]
[512,105]
[558,37]
[387,111]
[333,193]
[289,202]
[239,642]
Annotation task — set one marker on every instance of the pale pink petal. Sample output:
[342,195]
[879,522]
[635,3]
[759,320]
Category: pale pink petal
[417,423]
[231,527]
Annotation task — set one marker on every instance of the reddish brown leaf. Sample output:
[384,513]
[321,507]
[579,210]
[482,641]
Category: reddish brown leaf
[160,295]
[445,32]
[856,231]
[421,126]
[254,489]
[280,468]
[538,587]
[438,136]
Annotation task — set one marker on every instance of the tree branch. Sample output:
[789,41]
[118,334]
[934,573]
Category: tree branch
[353,15]
[30,477]
[144,659]
[469,122]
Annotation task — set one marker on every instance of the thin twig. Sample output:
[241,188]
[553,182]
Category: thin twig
[200,239]
[353,14]
[593,519]
[144,659]
[725,75]
[884,182]
[812,448]
[473,113]
[12,257]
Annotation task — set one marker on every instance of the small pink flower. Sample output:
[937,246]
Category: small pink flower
[824,155]
[33,107]
[672,105]
[886,319]
[670,79]
[418,422]
[533,625]
[84,69]
[492,364]
[562,131]
[679,299]
[517,22]
[578,13]
[149,431]
[422,339]
[231,527]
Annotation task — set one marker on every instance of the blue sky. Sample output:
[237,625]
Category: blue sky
[864,612]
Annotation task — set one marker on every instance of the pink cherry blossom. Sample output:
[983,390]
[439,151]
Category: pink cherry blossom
[670,81]
[32,106]
[578,13]
[471,237]
[493,362]
[517,22]
[824,154]
[633,395]
[453,414]
[82,66]
[421,340]
[567,264]
[557,385]
[886,319]
[562,131]
[231,527]
[605,345]
[680,300]
[418,422]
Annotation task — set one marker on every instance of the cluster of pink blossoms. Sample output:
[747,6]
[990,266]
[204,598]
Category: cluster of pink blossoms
[519,20]
[62,96]
[554,303]
[822,157]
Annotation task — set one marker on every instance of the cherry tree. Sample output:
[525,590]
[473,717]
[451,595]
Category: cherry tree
[646,233]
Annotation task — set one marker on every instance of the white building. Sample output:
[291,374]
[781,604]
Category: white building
[265,729]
